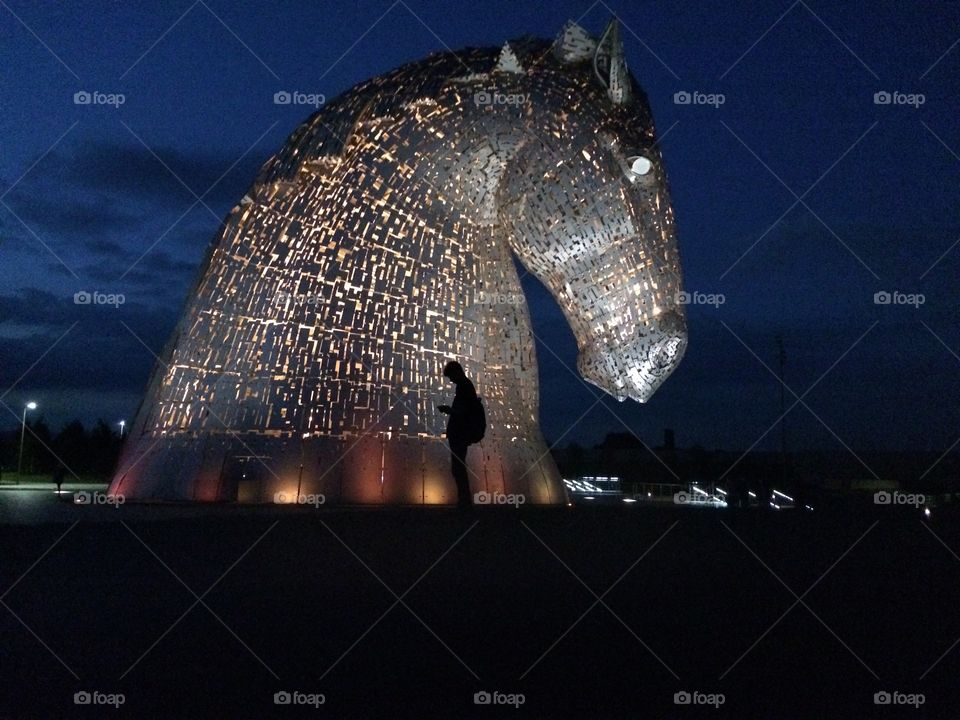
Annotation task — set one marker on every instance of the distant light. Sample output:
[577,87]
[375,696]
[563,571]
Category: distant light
[649,494]
[751,493]
[926,511]
[589,497]
[777,492]
[31,405]
[632,500]
[808,508]
[702,492]
[721,491]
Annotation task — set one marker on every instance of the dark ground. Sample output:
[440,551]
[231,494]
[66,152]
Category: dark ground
[292,605]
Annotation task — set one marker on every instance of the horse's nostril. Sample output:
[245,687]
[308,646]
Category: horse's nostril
[667,351]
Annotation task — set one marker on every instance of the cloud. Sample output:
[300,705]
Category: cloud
[101,197]
[58,213]
[164,273]
[163,173]
[98,352]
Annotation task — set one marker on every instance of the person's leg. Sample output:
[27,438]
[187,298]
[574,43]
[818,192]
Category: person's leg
[458,462]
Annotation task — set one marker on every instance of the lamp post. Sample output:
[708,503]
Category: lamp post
[122,424]
[23,429]
[782,357]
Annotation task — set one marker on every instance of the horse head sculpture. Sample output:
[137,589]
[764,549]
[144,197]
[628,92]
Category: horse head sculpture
[587,210]
[378,244]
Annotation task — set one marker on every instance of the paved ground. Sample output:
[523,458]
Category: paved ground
[209,611]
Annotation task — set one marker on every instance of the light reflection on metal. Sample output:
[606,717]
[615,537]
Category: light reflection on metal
[377,245]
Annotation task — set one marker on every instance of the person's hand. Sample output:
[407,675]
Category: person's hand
[445,409]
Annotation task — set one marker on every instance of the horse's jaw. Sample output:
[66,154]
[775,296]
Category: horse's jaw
[635,369]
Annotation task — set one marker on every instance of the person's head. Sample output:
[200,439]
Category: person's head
[454,371]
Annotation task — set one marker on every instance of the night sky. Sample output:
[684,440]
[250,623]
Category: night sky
[103,198]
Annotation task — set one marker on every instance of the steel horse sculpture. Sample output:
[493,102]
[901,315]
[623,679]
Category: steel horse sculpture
[379,243]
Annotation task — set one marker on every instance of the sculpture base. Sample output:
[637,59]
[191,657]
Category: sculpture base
[372,469]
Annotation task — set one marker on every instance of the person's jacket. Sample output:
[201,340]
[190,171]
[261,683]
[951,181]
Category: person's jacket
[463,402]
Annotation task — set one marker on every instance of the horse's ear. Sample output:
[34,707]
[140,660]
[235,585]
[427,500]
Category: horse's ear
[610,65]
[574,44]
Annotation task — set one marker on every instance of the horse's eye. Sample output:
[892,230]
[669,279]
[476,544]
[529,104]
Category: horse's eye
[639,166]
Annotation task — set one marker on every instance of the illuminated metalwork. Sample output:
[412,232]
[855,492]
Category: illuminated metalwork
[377,245]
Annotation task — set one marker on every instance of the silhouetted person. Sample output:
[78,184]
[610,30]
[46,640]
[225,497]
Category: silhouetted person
[58,473]
[458,431]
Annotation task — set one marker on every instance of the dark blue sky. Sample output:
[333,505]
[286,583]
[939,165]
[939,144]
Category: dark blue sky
[88,203]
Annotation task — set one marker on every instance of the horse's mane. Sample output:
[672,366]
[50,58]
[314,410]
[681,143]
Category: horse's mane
[324,133]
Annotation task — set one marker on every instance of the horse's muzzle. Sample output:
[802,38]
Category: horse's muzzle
[636,368]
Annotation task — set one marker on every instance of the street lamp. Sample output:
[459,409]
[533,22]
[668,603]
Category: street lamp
[23,428]
[122,424]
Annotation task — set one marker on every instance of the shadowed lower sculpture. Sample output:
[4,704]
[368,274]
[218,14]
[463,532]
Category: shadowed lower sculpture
[378,244]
